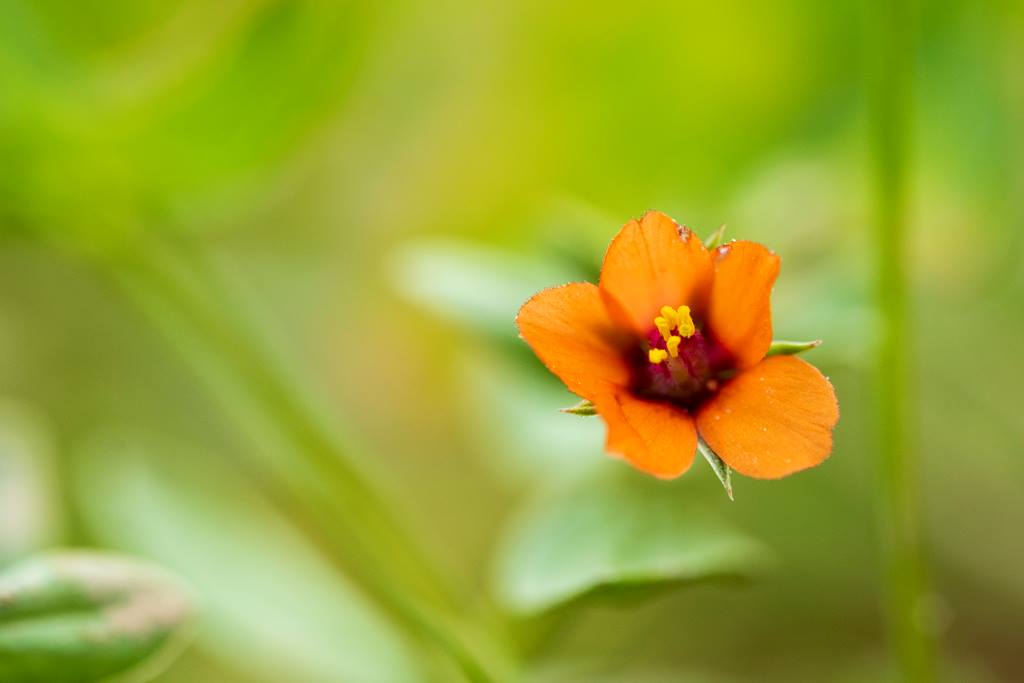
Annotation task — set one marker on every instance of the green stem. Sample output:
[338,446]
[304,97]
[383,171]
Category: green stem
[295,457]
[891,33]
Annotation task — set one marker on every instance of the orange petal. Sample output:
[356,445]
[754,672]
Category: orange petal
[655,437]
[652,263]
[569,329]
[739,310]
[772,420]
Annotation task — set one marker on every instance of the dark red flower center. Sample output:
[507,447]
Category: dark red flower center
[677,362]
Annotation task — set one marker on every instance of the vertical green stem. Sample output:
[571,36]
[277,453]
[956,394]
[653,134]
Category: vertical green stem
[891,38]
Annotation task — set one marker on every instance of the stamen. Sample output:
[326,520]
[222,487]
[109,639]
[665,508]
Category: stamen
[657,355]
[679,369]
[664,326]
[673,345]
[684,322]
[671,317]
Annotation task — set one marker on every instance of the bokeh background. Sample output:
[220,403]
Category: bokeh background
[355,197]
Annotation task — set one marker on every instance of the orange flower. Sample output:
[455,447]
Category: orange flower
[673,343]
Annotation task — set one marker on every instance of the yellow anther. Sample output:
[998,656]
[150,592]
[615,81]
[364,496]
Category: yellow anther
[673,345]
[675,319]
[657,355]
[684,322]
[670,316]
[664,326]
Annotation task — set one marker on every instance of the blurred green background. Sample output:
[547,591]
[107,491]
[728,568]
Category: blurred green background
[241,241]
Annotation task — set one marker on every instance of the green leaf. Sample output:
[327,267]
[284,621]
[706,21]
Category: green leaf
[30,515]
[584,408]
[79,616]
[606,536]
[203,124]
[718,466]
[513,418]
[790,348]
[715,238]
[274,609]
[473,285]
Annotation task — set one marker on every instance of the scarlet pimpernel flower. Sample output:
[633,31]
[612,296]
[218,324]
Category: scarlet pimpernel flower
[676,342]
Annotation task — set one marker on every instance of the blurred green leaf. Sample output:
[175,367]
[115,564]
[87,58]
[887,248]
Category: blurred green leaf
[29,505]
[476,286]
[594,672]
[205,107]
[275,608]
[615,534]
[513,417]
[261,90]
[824,270]
[79,616]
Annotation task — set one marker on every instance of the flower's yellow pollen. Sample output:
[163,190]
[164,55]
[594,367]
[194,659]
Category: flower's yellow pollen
[664,326]
[670,316]
[675,319]
[684,322]
[673,345]
[657,355]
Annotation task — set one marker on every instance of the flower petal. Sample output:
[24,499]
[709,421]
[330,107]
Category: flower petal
[772,420]
[739,310]
[569,329]
[655,437]
[652,263]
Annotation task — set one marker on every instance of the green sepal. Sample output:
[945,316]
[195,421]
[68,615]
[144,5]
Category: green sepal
[584,408]
[715,238]
[791,348]
[721,470]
